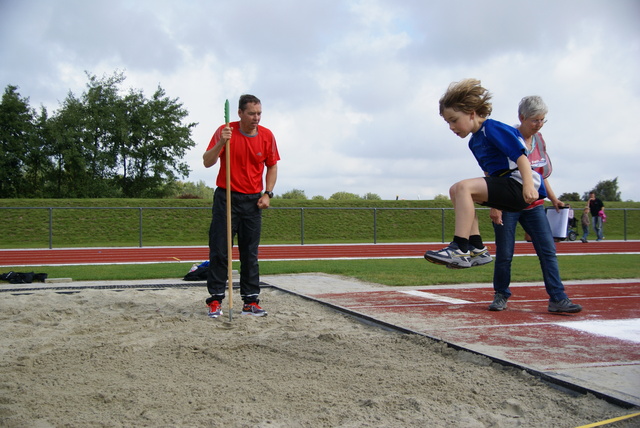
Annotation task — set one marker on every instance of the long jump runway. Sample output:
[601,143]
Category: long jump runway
[597,349]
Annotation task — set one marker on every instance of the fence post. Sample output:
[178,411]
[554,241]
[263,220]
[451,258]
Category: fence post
[375,225]
[301,226]
[50,228]
[140,223]
[442,226]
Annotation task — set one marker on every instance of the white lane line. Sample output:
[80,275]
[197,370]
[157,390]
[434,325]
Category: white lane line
[437,297]
[628,329]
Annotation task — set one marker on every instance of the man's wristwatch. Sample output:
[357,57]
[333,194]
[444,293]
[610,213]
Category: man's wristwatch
[269,194]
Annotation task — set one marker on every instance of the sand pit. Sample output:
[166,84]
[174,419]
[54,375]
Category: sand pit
[115,358]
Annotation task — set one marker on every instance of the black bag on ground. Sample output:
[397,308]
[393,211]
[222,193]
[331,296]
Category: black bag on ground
[199,273]
[23,277]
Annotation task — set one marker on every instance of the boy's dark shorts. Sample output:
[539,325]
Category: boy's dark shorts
[505,194]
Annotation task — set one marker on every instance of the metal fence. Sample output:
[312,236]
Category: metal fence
[627,221]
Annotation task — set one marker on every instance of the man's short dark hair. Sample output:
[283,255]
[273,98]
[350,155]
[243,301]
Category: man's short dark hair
[247,99]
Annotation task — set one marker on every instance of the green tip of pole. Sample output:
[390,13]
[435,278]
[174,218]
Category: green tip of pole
[226,111]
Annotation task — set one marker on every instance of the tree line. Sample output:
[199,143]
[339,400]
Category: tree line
[109,142]
[105,143]
[606,190]
[337,196]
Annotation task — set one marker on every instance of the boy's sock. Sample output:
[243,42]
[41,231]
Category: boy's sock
[476,241]
[463,243]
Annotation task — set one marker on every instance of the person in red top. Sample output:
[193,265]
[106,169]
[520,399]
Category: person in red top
[252,148]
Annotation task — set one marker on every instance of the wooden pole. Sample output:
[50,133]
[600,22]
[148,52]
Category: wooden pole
[229,234]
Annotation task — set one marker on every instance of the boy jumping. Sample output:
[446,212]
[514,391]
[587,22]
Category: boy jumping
[509,183]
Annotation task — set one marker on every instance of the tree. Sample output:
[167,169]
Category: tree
[372,197]
[101,121]
[155,144]
[344,196]
[17,136]
[574,196]
[104,144]
[69,177]
[39,164]
[606,190]
[190,190]
[294,194]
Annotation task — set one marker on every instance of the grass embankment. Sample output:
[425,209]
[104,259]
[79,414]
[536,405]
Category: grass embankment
[179,222]
[174,222]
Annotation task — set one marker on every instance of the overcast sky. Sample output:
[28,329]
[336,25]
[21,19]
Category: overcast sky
[351,88]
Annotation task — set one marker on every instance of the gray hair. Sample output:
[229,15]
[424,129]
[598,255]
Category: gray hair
[532,106]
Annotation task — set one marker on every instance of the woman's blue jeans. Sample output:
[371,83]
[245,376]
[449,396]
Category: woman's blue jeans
[534,222]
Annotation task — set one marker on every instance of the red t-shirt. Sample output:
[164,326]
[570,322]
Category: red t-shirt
[249,155]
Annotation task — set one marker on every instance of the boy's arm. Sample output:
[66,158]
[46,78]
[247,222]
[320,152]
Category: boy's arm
[529,192]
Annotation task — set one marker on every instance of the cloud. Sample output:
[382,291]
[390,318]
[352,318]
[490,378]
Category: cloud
[351,88]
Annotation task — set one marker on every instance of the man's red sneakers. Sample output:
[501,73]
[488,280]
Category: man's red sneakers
[214,309]
[253,309]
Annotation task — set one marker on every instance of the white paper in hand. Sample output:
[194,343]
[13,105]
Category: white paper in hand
[559,222]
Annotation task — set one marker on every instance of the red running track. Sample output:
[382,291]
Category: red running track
[61,256]
[459,315]
[597,349]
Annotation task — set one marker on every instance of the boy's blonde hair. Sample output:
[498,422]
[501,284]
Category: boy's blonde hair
[467,96]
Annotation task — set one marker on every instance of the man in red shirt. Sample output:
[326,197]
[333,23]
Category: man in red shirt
[253,147]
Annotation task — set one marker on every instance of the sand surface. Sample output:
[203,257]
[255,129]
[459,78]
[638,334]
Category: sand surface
[152,358]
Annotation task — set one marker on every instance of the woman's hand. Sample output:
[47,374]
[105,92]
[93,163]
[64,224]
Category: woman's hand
[496,216]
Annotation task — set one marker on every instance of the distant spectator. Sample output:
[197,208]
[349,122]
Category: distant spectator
[585,220]
[595,206]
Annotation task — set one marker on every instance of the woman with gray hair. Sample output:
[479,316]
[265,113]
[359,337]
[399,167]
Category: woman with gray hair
[532,113]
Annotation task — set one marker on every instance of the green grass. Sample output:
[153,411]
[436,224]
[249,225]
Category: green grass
[411,272]
[180,222]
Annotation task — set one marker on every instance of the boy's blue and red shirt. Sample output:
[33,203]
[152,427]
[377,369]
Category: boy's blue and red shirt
[497,147]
